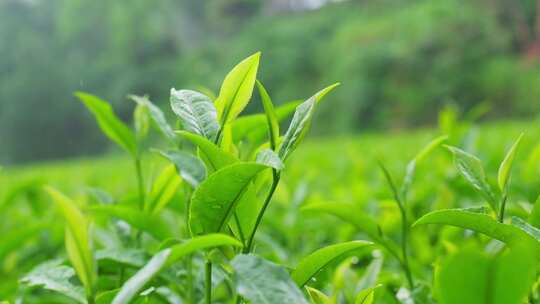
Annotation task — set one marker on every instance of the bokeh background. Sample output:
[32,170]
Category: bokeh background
[400,61]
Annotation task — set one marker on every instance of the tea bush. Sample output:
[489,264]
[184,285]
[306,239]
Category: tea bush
[224,208]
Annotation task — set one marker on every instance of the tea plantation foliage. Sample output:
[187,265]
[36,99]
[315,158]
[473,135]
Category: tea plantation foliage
[399,61]
[221,207]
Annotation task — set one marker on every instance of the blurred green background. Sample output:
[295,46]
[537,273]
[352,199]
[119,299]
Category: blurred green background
[400,61]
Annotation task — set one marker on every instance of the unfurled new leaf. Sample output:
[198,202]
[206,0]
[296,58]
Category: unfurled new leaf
[261,281]
[215,200]
[471,169]
[236,89]
[109,123]
[78,240]
[271,117]
[506,165]
[366,296]
[196,112]
[301,122]
[313,263]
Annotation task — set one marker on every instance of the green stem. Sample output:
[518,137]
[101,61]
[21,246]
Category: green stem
[503,207]
[140,181]
[404,242]
[275,182]
[208,282]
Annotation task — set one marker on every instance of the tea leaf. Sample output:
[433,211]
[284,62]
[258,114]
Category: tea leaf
[150,224]
[78,240]
[215,200]
[167,257]
[190,167]
[313,263]
[113,127]
[163,190]
[157,117]
[261,281]
[212,154]
[318,297]
[471,169]
[301,122]
[196,111]
[55,277]
[478,222]
[273,124]
[236,89]
[141,121]
[474,277]
[366,296]
[432,145]
[534,217]
[125,256]
[526,227]
[270,158]
[506,165]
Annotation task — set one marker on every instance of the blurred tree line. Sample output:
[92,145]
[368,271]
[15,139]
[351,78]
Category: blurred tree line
[399,61]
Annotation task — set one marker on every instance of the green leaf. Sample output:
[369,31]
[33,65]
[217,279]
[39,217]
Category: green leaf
[473,277]
[261,281]
[190,167]
[157,117]
[271,117]
[109,123]
[150,224]
[366,296]
[481,223]
[255,127]
[363,222]
[506,165]
[236,89]
[471,169]
[132,286]
[55,277]
[526,227]
[313,263]
[270,158]
[196,111]
[215,157]
[163,190]
[215,200]
[78,240]
[301,122]
[318,297]
[432,145]
[166,258]
[124,256]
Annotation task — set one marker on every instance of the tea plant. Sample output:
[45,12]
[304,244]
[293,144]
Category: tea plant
[227,190]
[222,207]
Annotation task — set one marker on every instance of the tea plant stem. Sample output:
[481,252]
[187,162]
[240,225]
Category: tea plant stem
[140,182]
[208,282]
[503,206]
[404,225]
[275,182]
